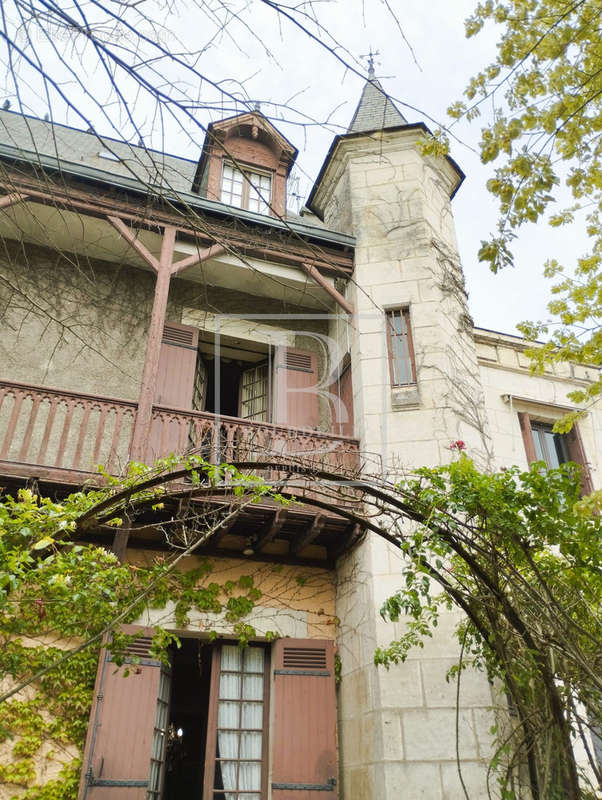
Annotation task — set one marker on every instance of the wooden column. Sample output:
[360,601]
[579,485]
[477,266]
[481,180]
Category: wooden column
[164,268]
[153,348]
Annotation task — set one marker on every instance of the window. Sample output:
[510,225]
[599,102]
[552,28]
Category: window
[401,349]
[201,729]
[550,447]
[255,393]
[542,444]
[246,189]
[217,725]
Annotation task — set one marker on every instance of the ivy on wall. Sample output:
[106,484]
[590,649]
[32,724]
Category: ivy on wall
[56,593]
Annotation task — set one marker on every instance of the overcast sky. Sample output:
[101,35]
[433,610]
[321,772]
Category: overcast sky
[300,73]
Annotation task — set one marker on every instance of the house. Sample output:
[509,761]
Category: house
[154,304]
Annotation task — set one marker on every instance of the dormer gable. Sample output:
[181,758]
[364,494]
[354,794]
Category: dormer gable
[245,162]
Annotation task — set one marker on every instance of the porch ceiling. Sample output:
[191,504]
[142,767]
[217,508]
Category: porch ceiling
[94,237]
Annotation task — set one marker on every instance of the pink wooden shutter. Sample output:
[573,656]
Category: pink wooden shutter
[117,756]
[174,388]
[304,763]
[296,400]
[343,416]
[525,428]
[577,454]
[177,363]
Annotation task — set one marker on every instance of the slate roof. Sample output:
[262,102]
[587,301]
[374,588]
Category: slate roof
[31,135]
[122,165]
[375,111]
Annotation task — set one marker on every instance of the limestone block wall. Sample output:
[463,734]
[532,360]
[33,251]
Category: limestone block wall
[398,728]
[510,387]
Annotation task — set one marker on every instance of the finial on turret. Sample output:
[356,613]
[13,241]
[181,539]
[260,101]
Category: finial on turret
[370,56]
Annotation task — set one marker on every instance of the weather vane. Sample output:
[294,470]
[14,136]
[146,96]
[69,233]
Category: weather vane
[370,56]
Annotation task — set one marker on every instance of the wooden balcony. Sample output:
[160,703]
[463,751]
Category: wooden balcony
[60,437]
[64,434]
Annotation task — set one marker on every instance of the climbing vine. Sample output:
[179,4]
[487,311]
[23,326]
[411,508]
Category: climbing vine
[59,593]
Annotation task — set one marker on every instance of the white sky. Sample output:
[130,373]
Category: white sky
[323,89]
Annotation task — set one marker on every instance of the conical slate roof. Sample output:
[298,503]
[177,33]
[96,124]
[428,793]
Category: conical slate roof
[375,111]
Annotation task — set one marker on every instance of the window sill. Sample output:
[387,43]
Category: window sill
[403,397]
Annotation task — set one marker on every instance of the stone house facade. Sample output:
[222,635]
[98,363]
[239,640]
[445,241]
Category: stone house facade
[196,313]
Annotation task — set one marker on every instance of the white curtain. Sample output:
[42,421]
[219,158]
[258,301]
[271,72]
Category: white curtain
[240,713]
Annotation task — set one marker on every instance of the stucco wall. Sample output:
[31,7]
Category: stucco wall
[72,324]
[296,601]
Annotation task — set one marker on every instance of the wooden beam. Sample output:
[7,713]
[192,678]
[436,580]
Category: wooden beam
[197,258]
[271,530]
[321,281]
[11,199]
[146,398]
[217,535]
[134,242]
[351,534]
[336,263]
[310,534]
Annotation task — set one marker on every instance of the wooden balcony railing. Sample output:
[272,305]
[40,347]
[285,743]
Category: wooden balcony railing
[60,431]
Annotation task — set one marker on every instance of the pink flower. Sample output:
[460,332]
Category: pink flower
[458,445]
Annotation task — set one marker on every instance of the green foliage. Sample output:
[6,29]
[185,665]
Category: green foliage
[54,587]
[546,81]
[519,553]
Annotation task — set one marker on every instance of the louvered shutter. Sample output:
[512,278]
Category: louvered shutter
[296,397]
[125,747]
[177,363]
[577,454]
[525,428]
[174,389]
[304,763]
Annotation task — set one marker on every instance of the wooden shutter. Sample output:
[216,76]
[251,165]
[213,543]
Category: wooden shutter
[174,388]
[577,454]
[117,756]
[304,763]
[525,428]
[342,401]
[296,398]
[177,363]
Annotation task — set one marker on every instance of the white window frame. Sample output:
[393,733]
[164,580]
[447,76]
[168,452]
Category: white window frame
[253,196]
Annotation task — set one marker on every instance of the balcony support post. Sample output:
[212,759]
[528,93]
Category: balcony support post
[153,347]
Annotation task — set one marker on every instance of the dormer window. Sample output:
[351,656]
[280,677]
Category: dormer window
[245,163]
[246,189]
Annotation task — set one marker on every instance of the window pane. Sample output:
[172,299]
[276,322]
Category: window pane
[252,716]
[260,192]
[249,775]
[228,715]
[398,336]
[232,186]
[227,743]
[252,687]
[250,745]
[254,658]
[229,686]
[231,660]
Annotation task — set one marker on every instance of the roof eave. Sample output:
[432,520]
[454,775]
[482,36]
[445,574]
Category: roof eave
[356,135]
